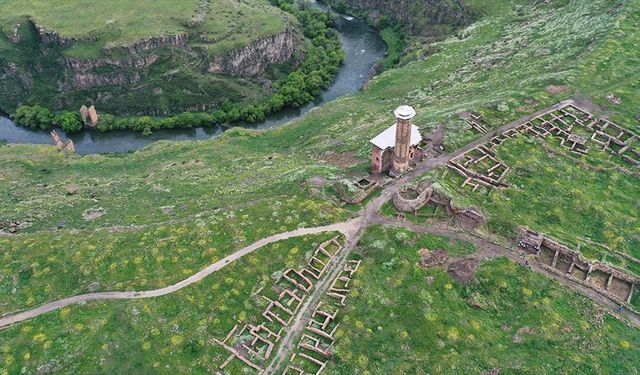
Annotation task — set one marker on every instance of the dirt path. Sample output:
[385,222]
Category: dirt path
[488,249]
[352,231]
[347,228]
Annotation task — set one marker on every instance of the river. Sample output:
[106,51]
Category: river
[362,47]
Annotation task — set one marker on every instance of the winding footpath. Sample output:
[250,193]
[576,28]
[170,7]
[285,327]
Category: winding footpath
[352,230]
[345,228]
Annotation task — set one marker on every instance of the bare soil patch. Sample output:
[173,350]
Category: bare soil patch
[317,181]
[556,89]
[93,213]
[343,160]
[529,105]
[429,258]
[464,270]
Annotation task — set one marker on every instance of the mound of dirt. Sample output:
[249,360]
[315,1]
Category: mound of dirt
[464,270]
[430,258]
[554,89]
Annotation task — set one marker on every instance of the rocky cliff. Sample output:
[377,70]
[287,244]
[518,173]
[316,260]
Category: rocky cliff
[255,58]
[418,17]
[169,66]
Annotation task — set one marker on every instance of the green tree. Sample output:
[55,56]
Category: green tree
[34,117]
[69,122]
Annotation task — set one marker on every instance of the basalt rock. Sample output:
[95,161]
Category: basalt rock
[254,59]
[420,17]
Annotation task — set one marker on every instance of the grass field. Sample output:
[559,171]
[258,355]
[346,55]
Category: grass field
[171,196]
[590,208]
[229,23]
[509,318]
[160,335]
[191,210]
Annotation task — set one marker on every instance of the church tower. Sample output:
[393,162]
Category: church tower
[404,116]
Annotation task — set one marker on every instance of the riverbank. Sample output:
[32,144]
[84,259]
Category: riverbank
[362,47]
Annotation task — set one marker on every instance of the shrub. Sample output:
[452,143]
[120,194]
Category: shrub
[34,117]
[69,122]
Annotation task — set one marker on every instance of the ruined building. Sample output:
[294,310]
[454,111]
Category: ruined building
[397,145]
[89,115]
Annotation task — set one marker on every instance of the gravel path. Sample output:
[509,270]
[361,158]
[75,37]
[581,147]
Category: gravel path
[352,230]
[345,228]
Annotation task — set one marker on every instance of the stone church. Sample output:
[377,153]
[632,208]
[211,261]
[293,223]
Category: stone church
[397,145]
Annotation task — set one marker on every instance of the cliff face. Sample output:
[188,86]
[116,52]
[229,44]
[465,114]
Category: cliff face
[418,17]
[255,58]
[167,65]
[252,60]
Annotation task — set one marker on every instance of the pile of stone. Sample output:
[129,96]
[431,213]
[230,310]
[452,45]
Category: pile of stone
[433,258]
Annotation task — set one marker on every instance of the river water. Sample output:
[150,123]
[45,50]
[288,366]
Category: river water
[362,47]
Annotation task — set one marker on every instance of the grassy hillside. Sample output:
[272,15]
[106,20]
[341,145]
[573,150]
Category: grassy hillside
[224,24]
[509,319]
[185,196]
[167,335]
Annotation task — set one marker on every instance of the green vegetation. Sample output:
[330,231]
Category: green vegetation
[70,122]
[35,117]
[226,24]
[509,318]
[300,87]
[191,205]
[165,335]
[589,207]
[79,215]
[150,57]
[317,71]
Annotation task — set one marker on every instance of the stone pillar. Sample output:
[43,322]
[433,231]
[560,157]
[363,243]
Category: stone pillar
[376,159]
[404,115]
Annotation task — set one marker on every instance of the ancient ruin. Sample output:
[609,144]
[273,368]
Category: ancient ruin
[253,344]
[355,192]
[89,116]
[66,147]
[574,127]
[315,346]
[561,260]
[475,122]
[394,148]
[411,198]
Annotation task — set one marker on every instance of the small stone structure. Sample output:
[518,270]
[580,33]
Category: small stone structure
[412,198]
[475,121]
[480,166]
[393,149]
[253,344]
[68,147]
[569,263]
[89,115]
[316,345]
[356,192]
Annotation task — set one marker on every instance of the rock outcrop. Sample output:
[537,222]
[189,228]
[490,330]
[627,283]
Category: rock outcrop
[420,17]
[254,59]
[112,73]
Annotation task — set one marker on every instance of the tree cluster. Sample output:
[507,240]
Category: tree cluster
[37,117]
[323,59]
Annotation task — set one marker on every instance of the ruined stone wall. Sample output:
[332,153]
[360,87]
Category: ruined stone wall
[402,203]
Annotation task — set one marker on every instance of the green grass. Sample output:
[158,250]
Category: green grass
[264,174]
[194,204]
[395,322]
[551,193]
[161,335]
[120,22]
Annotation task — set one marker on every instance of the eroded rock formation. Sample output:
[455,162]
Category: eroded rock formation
[255,58]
